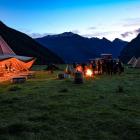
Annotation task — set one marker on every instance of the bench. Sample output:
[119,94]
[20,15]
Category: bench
[18,80]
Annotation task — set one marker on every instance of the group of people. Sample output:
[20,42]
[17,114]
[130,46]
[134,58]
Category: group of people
[111,67]
[100,66]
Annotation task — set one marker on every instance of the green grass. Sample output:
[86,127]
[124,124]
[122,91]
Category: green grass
[45,108]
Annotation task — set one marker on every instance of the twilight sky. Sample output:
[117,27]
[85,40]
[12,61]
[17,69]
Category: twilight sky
[90,18]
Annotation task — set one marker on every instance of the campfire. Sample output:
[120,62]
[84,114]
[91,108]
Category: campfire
[89,73]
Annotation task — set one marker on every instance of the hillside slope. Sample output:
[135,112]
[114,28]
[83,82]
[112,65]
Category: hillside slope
[131,49]
[24,45]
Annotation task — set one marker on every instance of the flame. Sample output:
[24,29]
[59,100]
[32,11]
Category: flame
[89,72]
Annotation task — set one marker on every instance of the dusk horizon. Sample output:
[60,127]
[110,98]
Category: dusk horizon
[105,18]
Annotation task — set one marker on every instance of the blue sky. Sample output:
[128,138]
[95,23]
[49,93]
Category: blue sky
[91,18]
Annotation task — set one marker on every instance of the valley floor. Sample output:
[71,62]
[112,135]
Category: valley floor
[44,108]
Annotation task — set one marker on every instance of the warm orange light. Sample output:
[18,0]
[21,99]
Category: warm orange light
[79,68]
[89,72]
[13,64]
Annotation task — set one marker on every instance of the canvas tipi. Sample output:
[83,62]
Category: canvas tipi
[137,63]
[132,60]
[9,61]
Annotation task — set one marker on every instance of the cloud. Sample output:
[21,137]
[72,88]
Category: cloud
[92,28]
[131,22]
[129,33]
[126,34]
[133,19]
[38,35]
[98,34]
[75,31]
[33,35]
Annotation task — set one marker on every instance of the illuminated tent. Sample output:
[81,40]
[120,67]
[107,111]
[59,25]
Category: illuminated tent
[10,61]
[132,60]
[137,63]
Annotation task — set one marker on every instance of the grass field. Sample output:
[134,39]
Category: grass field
[44,108]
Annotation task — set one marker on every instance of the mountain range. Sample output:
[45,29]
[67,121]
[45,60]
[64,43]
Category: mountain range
[67,47]
[75,48]
[24,45]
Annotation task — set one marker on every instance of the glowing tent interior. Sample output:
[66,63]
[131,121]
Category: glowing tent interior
[10,62]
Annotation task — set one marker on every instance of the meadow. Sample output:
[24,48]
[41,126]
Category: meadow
[45,108]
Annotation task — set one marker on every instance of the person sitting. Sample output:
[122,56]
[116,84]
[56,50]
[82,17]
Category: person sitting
[79,68]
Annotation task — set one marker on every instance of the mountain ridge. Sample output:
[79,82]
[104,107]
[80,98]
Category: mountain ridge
[81,48]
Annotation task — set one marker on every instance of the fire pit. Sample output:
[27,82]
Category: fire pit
[89,73]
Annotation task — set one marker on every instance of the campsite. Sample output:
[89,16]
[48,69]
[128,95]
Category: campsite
[44,106]
[57,102]
[37,102]
[70,70]
[95,100]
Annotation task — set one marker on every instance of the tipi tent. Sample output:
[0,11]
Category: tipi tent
[9,61]
[132,60]
[137,63]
